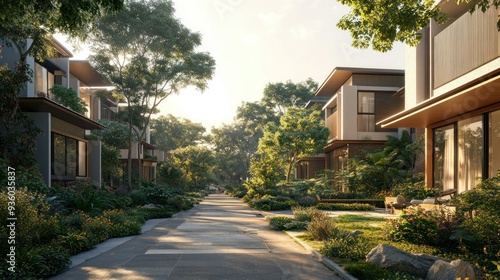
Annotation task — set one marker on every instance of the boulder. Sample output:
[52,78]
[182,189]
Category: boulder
[458,269]
[392,258]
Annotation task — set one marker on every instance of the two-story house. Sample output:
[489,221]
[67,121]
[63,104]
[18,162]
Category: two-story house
[62,152]
[452,91]
[353,101]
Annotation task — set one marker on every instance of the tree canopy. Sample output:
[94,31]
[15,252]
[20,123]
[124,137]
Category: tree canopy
[170,133]
[301,133]
[381,23]
[148,54]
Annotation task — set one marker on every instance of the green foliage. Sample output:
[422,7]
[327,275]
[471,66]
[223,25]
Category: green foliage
[26,177]
[75,242]
[180,202]
[382,23]
[301,133]
[171,133]
[122,224]
[68,97]
[345,206]
[418,226]
[321,227]
[272,204]
[344,245]
[84,196]
[155,194]
[304,214]
[171,175]
[365,271]
[151,213]
[197,164]
[279,222]
[382,170]
[413,188]
[480,210]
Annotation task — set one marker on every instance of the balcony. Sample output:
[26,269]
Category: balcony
[466,44]
[332,123]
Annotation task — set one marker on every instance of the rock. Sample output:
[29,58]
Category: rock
[392,258]
[355,233]
[458,269]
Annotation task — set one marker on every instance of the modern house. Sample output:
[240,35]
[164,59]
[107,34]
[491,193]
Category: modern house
[62,152]
[452,91]
[352,101]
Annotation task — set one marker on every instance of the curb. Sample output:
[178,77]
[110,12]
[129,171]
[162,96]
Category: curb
[327,262]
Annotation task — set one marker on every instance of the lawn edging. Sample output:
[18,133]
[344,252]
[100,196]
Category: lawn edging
[327,262]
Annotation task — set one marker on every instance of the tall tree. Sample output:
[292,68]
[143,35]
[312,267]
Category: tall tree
[170,132]
[280,96]
[234,147]
[196,162]
[301,133]
[27,27]
[148,55]
[381,23]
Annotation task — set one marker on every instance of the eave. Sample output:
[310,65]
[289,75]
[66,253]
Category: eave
[447,106]
[42,104]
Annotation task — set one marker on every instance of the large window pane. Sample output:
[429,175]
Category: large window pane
[366,102]
[71,156]
[58,155]
[470,152]
[444,157]
[494,149]
[366,123]
[82,158]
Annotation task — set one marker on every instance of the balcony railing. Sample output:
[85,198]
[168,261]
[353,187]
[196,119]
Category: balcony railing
[469,42]
[333,124]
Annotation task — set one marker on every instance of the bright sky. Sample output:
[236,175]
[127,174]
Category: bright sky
[255,42]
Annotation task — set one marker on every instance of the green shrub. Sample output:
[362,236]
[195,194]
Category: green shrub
[122,224]
[35,225]
[278,222]
[26,177]
[321,226]
[97,229]
[68,97]
[75,242]
[418,226]
[267,204]
[480,210]
[180,202]
[84,196]
[343,245]
[345,206]
[39,263]
[304,214]
[307,201]
[365,271]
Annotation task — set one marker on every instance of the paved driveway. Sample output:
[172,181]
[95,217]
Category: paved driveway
[222,238]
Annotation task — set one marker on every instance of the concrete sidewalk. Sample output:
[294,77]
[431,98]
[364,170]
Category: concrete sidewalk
[222,238]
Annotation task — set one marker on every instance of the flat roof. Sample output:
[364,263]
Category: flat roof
[340,75]
[85,72]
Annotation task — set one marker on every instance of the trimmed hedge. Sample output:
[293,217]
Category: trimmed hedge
[345,206]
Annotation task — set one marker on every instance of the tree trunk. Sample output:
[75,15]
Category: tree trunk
[129,159]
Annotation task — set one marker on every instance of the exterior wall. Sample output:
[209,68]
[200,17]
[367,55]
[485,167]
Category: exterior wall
[43,154]
[307,168]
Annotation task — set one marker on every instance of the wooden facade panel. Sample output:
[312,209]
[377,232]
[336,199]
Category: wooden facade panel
[333,124]
[469,42]
[386,105]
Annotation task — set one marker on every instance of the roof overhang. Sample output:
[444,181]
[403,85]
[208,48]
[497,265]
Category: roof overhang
[341,143]
[61,49]
[148,146]
[42,104]
[340,75]
[447,106]
[87,74]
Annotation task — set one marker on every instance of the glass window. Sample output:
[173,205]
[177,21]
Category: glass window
[58,155]
[470,152]
[494,143]
[366,102]
[82,158]
[444,157]
[69,156]
[366,111]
